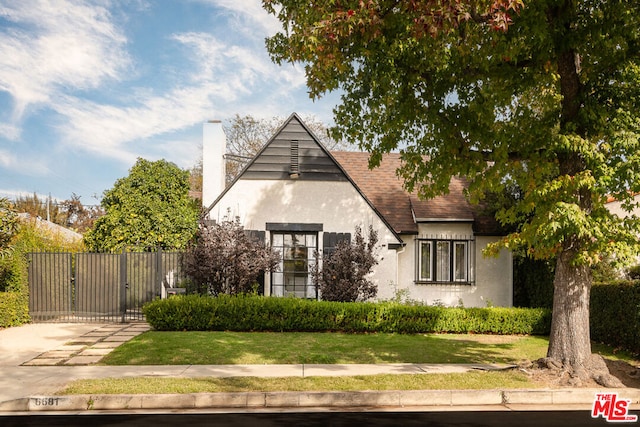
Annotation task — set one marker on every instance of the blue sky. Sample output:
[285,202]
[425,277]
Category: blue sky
[87,87]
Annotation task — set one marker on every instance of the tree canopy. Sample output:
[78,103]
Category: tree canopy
[539,95]
[8,226]
[147,209]
[69,213]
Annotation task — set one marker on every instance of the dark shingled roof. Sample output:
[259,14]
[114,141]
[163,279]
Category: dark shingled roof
[382,187]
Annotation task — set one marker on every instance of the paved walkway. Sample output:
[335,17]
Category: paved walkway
[37,360]
[91,347]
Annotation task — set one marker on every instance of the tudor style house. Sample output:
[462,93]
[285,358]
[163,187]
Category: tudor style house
[301,198]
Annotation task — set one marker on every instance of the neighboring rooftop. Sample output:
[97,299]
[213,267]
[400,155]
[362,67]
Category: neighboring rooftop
[67,234]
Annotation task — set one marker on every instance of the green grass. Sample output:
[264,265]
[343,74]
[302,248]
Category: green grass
[146,385]
[214,348]
[219,348]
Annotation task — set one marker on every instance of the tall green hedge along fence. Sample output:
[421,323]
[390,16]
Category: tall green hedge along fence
[14,309]
[254,313]
[615,315]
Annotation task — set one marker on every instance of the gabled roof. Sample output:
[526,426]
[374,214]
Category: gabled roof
[313,161]
[381,187]
[294,152]
[404,210]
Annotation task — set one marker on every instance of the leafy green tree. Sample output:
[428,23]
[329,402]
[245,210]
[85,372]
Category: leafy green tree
[149,208]
[67,213]
[542,95]
[8,226]
[195,176]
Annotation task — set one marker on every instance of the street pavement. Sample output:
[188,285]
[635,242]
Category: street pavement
[37,360]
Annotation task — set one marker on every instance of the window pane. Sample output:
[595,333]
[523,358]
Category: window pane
[443,261]
[460,261]
[425,261]
[277,279]
[293,277]
[311,241]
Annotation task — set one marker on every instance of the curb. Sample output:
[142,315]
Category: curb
[302,400]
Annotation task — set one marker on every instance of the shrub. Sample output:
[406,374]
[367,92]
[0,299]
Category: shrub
[615,314]
[14,285]
[344,272]
[14,309]
[8,226]
[634,272]
[224,259]
[256,313]
[13,273]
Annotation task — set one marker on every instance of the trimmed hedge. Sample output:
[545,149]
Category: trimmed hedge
[255,313]
[14,309]
[615,315]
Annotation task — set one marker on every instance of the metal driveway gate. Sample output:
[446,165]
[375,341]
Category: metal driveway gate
[97,287]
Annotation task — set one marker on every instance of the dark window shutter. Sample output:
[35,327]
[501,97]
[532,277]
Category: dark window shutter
[331,241]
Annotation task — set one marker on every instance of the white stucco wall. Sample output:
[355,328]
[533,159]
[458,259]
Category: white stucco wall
[615,207]
[336,205]
[493,276]
[340,208]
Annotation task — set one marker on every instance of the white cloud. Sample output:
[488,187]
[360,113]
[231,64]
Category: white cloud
[10,131]
[31,165]
[253,11]
[240,68]
[220,76]
[109,131]
[7,160]
[53,46]
[59,52]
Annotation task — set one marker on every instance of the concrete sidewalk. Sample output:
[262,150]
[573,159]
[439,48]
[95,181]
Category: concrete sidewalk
[29,379]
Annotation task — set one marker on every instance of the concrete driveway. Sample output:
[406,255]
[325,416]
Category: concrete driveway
[23,343]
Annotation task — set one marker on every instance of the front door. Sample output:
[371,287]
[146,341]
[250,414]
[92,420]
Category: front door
[293,278]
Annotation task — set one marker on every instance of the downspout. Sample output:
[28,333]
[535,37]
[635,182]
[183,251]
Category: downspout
[398,253]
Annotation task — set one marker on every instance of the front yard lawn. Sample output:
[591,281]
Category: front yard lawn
[146,385]
[215,348]
[221,348]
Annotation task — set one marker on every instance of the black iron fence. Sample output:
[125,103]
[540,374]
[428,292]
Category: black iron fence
[98,287]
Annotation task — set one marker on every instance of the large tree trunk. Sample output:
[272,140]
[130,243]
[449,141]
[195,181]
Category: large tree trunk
[570,338]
